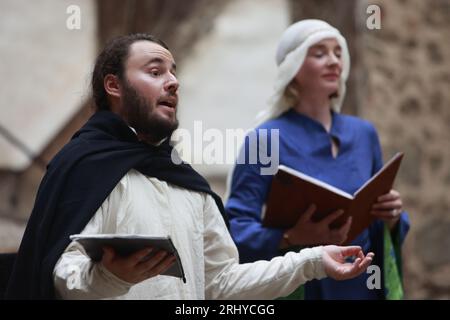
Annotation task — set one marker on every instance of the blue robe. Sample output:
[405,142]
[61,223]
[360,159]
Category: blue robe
[305,145]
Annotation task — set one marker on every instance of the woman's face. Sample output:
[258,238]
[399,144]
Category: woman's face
[321,70]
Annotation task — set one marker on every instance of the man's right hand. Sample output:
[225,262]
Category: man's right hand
[335,264]
[132,268]
[308,232]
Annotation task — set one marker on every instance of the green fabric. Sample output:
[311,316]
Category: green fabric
[392,267]
[298,294]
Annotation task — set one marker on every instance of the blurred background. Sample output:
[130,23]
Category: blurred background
[400,80]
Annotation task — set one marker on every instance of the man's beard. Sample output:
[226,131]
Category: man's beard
[142,117]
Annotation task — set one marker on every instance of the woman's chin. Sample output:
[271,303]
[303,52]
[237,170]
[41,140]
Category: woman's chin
[330,88]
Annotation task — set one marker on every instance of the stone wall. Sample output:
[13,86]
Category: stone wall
[44,66]
[405,92]
[402,81]
[178,23]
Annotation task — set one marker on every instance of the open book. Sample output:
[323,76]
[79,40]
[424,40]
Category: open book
[126,244]
[292,192]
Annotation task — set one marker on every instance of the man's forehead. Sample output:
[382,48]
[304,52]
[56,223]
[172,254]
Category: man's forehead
[143,51]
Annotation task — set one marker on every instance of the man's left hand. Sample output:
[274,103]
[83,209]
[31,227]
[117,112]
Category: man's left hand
[336,266]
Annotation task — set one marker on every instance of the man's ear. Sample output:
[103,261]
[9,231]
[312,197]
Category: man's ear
[112,85]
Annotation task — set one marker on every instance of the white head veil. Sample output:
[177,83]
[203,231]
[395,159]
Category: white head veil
[291,53]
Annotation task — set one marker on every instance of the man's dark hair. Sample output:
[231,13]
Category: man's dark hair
[112,61]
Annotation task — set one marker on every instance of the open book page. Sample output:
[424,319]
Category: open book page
[381,183]
[126,244]
[291,194]
[315,181]
[393,162]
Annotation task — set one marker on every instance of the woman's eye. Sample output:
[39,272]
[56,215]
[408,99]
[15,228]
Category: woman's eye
[338,54]
[318,54]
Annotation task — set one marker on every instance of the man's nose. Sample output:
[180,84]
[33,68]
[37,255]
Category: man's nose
[171,84]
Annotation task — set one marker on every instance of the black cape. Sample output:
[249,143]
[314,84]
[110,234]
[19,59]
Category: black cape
[78,179]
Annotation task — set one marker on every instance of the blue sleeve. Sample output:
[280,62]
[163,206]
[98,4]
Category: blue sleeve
[248,193]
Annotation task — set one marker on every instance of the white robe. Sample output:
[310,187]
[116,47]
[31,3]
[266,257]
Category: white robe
[144,205]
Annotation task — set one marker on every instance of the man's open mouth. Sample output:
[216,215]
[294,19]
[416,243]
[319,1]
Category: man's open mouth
[171,103]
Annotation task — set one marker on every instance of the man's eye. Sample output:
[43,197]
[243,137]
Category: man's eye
[154,73]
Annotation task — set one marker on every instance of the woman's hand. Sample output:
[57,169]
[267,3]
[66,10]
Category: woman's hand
[308,232]
[388,208]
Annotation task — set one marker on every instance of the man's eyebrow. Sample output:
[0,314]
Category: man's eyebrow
[153,60]
[159,61]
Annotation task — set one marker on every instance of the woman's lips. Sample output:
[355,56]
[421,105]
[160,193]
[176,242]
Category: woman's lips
[331,76]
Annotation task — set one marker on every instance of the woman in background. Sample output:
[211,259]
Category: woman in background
[314,138]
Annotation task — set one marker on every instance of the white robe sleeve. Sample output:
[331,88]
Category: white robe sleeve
[225,278]
[75,275]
